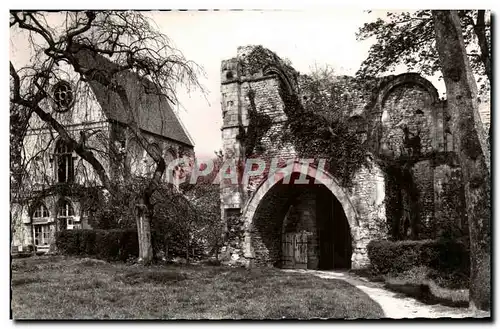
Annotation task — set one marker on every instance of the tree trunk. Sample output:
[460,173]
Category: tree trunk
[144,236]
[471,146]
[187,250]
[479,29]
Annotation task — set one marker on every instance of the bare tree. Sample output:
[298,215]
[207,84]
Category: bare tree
[132,44]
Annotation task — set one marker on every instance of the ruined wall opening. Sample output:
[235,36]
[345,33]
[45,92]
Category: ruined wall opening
[301,226]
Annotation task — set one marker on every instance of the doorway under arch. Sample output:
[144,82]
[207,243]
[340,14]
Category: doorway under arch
[300,225]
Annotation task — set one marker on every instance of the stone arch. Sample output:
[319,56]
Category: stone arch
[38,209]
[321,176]
[273,69]
[408,116]
[408,78]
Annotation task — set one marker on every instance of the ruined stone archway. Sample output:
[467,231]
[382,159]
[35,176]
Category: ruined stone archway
[270,185]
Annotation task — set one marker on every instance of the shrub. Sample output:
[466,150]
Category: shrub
[117,244]
[67,242]
[87,242]
[444,256]
[176,245]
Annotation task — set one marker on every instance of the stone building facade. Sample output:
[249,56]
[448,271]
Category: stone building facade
[57,188]
[411,189]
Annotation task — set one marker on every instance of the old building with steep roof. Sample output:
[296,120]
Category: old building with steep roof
[57,188]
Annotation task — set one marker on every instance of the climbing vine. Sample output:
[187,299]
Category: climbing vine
[319,126]
[260,58]
[258,125]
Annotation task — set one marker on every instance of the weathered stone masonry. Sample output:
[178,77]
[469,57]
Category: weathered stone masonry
[412,189]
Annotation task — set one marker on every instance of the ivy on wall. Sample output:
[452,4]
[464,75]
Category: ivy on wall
[258,125]
[319,130]
[317,116]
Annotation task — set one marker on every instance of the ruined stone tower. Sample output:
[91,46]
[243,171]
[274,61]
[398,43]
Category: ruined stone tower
[326,224]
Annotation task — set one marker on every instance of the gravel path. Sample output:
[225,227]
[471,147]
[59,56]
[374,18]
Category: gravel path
[393,304]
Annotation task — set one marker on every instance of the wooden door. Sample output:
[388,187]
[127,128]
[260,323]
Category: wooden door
[294,250]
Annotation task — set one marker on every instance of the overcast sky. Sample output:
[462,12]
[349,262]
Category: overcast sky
[304,37]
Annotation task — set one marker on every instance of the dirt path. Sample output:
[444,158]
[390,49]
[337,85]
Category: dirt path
[394,304]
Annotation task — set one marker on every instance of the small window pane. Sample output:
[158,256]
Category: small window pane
[40,211]
[65,209]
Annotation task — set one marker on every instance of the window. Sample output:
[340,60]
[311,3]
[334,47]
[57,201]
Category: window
[154,148]
[64,163]
[65,216]
[63,96]
[40,214]
[42,235]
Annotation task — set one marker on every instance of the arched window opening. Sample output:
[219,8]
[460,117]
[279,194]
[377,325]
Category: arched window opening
[41,228]
[65,166]
[40,214]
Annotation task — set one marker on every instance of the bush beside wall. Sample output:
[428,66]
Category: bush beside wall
[114,244]
[444,256]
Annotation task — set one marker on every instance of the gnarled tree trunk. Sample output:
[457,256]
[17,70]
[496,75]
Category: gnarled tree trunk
[472,148]
[144,235]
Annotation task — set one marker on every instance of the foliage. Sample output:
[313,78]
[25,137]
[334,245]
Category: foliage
[320,127]
[173,225]
[186,219]
[409,38]
[204,200]
[402,200]
[18,127]
[430,286]
[258,124]
[261,58]
[103,244]
[319,109]
[399,256]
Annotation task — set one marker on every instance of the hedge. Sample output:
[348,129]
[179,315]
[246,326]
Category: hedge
[119,244]
[116,244]
[176,244]
[399,256]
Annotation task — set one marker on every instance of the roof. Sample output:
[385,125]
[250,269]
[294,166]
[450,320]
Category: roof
[152,111]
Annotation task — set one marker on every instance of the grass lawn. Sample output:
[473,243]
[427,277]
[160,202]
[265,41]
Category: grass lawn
[57,287]
[431,289]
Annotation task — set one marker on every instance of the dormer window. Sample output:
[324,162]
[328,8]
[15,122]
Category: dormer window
[63,96]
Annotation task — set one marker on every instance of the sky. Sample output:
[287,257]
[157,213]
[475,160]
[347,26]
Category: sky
[306,37]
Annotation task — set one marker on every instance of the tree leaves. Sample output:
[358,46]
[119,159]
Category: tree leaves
[408,38]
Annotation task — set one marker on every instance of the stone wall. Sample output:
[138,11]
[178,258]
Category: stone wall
[399,118]
[368,197]
[422,173]
[267,226]
[411,106]
[450,216]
